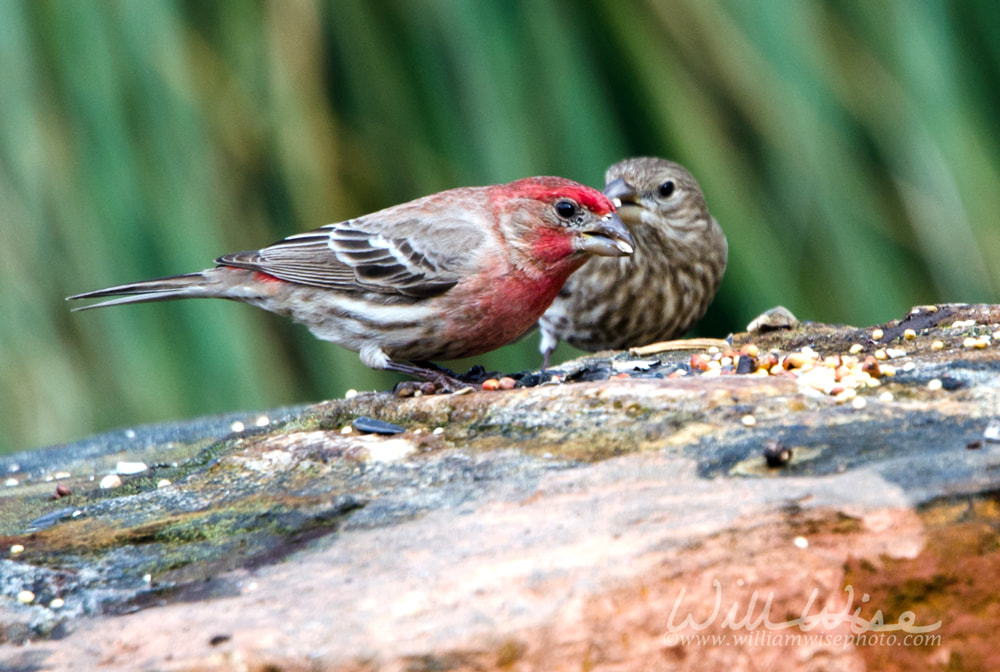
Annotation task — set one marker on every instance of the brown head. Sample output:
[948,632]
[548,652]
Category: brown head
[652,192]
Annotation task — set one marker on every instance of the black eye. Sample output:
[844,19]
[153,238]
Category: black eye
[566,209]
[666,189]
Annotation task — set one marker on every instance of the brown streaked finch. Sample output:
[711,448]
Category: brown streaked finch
[661,290]
[454,274]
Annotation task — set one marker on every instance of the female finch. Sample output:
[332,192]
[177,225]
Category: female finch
[660,291]
[454,274]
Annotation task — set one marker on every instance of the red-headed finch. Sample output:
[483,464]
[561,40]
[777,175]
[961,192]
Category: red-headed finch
[661,290]
[454,274]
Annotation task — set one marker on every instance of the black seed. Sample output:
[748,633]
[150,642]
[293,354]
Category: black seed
[777,454]
[747,364]
[950,383]
[373,426]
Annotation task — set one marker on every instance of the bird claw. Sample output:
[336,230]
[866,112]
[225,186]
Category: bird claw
[414,388]
[439,383]
[435,380]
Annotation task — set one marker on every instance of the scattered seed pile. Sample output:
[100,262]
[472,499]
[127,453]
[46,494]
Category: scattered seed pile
[863,366]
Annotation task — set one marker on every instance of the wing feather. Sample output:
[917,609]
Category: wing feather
[366,254]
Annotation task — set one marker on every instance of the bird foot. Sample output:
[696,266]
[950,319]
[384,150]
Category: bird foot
[414,388]
[434,379]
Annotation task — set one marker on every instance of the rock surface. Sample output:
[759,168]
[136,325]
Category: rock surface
[623,519]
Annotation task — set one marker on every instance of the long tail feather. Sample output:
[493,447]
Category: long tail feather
[191,285]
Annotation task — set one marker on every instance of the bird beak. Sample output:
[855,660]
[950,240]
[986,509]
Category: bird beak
[619,191]
[608,238]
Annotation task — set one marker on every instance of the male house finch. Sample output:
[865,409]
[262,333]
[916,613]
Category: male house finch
[660,291]
[453,274]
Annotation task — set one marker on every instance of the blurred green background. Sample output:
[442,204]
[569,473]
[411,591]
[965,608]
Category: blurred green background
[849,148]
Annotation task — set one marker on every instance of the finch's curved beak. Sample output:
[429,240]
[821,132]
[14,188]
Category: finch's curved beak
[620,192]
[608,238]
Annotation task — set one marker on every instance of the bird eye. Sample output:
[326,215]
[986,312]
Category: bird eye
[666,189]
[566,209]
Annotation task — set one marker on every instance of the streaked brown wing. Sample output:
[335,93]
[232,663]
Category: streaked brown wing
[351,256]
